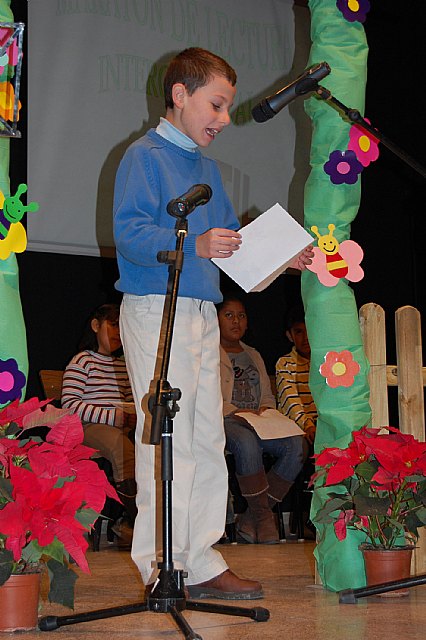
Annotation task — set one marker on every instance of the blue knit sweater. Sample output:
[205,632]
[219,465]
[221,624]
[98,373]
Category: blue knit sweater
[152,172]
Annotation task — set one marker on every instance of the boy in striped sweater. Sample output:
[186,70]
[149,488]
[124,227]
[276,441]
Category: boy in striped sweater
[294,397]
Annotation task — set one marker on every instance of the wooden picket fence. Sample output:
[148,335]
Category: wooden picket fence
[408,374]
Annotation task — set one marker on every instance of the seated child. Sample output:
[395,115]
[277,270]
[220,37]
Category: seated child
[294,397]
[246,389]
[95,383]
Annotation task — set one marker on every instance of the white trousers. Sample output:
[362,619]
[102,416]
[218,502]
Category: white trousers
[200,477]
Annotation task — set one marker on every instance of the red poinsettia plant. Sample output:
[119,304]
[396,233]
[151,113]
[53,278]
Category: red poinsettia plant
[51,493]
[381,481]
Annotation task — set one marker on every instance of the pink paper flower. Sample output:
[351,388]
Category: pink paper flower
[339,369]
[363,144]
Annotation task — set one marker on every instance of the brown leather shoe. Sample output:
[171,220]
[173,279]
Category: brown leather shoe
[227,586]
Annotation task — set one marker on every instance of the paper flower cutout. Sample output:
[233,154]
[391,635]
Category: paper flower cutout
[7,100]
[12,381]
[363,144]
[333,260]
[13,237]
[10,56]
[343,167]
[4,59]
[353,10]
[339,369]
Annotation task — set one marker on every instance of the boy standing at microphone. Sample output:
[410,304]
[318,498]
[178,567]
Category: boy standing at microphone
[199,90]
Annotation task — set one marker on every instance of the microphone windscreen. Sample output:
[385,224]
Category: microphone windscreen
[262,112]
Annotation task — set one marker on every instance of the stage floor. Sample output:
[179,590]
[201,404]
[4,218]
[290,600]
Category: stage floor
[299,610]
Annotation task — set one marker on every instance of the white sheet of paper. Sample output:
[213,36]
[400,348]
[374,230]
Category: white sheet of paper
[269,244]
[272,424]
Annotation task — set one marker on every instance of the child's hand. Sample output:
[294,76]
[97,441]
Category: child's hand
[120,418]
[310,434]
[304,259]
[217,243]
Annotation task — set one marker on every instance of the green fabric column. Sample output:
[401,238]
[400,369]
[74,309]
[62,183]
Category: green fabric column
[331,312]
[13,341]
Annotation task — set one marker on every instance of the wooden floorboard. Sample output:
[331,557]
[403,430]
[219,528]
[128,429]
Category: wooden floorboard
[299,610]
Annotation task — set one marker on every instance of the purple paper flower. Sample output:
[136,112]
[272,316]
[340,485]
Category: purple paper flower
[343,167]
[12,381]
[353,10]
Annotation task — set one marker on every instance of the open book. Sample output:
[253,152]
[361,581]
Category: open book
[269,244]
[272,424]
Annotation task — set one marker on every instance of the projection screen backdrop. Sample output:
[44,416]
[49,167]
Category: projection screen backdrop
[95,70]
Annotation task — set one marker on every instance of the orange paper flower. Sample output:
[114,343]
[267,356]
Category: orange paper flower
[339,369]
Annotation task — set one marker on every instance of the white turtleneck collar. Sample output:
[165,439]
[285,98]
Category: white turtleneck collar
[167,130]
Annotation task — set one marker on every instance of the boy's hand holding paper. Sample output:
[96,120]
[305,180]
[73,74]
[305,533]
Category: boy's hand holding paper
[270,244]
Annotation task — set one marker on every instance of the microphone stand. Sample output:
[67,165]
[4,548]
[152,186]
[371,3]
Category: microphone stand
[354,116]
[168,595]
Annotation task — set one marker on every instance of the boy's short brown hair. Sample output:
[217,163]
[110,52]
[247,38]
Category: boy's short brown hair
[194,67]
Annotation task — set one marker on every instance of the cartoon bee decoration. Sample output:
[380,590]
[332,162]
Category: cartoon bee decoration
[333,261]
[13,237]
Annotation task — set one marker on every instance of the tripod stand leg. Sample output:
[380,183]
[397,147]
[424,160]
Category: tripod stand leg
[259,614]
[350,596]
[187,631]
[50,623]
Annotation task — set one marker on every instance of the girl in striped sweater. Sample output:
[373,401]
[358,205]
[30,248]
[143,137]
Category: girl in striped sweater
[96,386]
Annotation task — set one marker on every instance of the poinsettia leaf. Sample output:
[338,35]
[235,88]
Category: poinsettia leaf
[17,411]
[420,515]
[363,490]
[5,490]
[367,506]
[335,504]
[332,494]
[395,529]
[12,429]
[60,482]
[366,470]
[67,432]
[6,565]
[38,418]
[87,517]
[62,581]
[55,550]
[412,523]
[353,485]
[414,478]
[32,552]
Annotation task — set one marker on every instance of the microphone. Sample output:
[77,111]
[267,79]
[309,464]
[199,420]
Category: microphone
[197,195]
[307,81]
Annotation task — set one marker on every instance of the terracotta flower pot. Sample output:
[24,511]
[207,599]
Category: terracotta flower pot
[19,599]
[387,565]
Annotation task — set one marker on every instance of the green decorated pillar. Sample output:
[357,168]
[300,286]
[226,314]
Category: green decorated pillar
[13,341]
[331,311]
